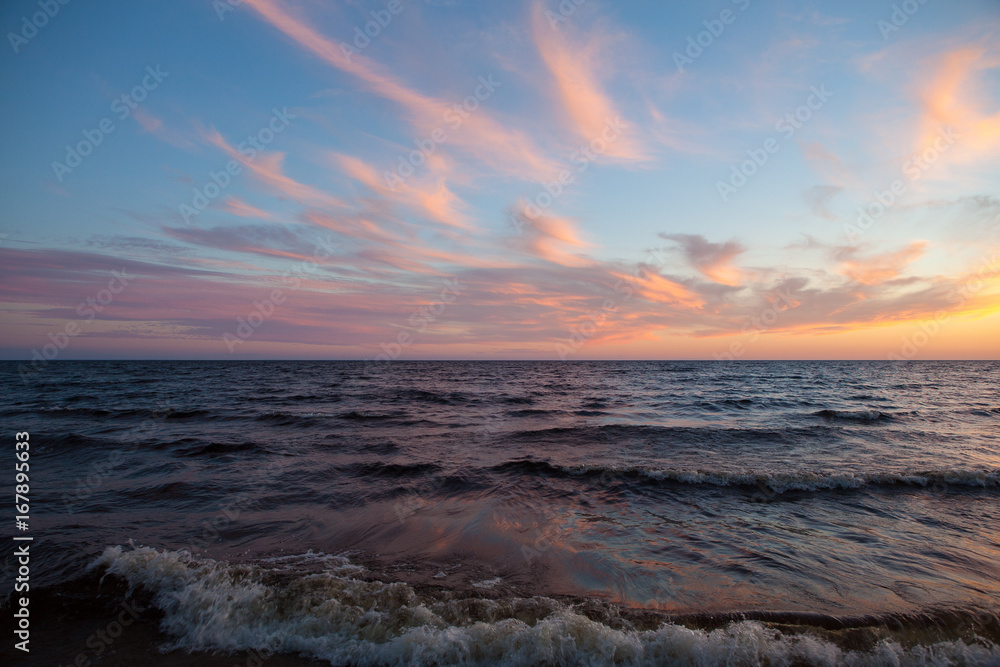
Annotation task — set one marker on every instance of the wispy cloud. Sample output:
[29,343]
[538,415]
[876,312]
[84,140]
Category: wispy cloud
[429,196]
[506,149]
[267,168]
[881,268]
[553,239]
[951,97]
[575,71]
[237,206]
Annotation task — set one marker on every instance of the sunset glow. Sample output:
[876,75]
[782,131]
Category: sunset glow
[527,180]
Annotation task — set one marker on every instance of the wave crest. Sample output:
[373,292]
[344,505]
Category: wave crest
[776,482]
[862,416]
[338,616]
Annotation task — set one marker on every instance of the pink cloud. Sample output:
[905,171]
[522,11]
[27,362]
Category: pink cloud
[429,196]
[353,299]
[156,127]
[146,120]
[267,168]
[510,151]
[553,239]
[575,71]
[239,207]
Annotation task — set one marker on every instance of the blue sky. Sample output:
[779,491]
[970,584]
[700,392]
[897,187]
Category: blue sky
[534,277]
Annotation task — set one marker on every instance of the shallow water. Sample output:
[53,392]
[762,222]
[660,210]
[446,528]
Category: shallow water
[815,493]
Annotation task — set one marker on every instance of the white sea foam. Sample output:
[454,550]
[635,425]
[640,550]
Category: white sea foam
[210,605]
[329,562]
[489,583]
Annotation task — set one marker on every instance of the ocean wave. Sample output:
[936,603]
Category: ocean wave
[298,419]
[729,404]
[862,416]
[313,398]
[334,612]
[532,412]
[660,433]
[129,413]
[354,415]
[425,396]
[394,470]
[222,449]
[517,400]
[76,441]
[772,481]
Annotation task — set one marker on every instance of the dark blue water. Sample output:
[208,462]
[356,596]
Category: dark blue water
[435,512]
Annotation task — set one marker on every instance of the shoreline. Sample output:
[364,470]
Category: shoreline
[84,622]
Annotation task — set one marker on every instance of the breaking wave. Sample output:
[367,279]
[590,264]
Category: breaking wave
[335,611]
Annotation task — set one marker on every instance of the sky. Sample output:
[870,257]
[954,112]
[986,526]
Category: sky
[450,179]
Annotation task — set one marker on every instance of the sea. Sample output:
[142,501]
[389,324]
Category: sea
[524,512]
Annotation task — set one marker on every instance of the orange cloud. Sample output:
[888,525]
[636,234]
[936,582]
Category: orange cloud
[434,199]
[884,267]
[660,290]
[712,260]
[950,99]
[553,239]
[575,72]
